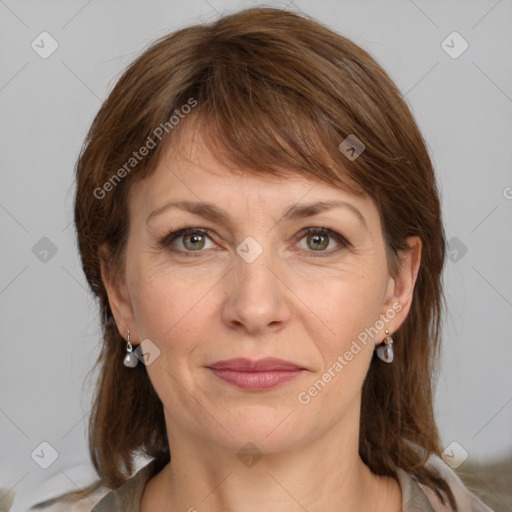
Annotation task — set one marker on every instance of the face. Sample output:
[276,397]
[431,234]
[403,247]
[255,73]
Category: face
[253,267]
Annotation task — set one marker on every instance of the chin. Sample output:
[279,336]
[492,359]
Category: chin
[268,433]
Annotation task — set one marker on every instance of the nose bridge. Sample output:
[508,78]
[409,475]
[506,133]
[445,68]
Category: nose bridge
[257,298]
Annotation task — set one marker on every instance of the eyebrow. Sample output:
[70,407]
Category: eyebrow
[295,212]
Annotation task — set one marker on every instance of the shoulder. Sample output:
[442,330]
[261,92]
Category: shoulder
[104,499]
[465,499]
[125,498]
[60,505]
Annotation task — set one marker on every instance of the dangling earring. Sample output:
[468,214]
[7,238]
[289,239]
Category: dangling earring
[130,360]
[384,351]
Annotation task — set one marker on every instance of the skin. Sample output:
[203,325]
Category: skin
[287,303]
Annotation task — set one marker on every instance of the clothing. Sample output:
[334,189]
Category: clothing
[416,497]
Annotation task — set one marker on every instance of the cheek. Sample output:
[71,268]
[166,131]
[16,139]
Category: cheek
[346,305]
[350,308]
[161,305]
[170,311]
[172,314]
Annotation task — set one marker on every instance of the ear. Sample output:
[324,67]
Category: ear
[401,287]
[118,297]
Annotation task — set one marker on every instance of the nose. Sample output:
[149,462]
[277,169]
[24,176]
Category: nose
[258,300]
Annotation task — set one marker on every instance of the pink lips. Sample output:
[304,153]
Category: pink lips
[255,375]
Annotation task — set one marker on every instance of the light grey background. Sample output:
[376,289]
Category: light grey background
[49,326]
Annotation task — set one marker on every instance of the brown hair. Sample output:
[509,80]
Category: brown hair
[273,91]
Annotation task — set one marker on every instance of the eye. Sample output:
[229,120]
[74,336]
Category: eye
[192,240]
[187,240]
[318,239]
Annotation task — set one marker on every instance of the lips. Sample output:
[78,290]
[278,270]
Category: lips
[268,364]
[258,375]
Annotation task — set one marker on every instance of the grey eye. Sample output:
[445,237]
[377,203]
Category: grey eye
[193,241]
[317,241]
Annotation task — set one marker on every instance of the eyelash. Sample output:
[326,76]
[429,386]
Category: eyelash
[168,239]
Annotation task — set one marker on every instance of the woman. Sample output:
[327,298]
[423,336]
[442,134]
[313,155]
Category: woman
[258,216]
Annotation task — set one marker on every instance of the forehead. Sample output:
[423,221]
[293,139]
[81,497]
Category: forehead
[189,171]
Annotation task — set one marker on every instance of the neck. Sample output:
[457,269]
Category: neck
[324,474]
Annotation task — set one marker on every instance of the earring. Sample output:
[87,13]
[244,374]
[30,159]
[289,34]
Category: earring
[384,351]
[130,361]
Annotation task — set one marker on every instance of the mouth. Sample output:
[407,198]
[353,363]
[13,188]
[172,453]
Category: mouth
[263,374]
